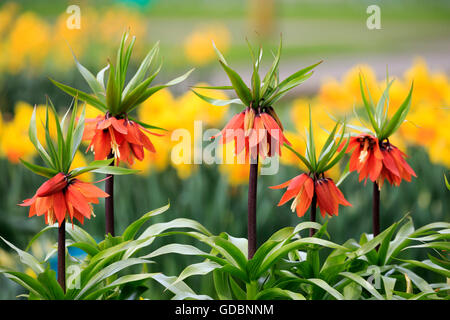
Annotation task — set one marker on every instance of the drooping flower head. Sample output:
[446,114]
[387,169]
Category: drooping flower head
[302,189]
[366,158]
[117,131]
[256,132]
[373,156]
[256,129]
[63,195]
[125,138]
[314,184]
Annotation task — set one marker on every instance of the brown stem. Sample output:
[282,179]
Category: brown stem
[252,187]
[62,255]
[313,209]
[376,210]
[109,201]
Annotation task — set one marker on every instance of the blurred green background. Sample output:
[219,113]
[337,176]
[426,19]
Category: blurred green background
[33,42]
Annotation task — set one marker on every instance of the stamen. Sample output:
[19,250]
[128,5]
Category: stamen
[364,153]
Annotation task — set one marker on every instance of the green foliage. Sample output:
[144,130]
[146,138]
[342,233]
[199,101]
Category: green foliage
[261,93]
[329,155]
[288,266]
[114,97]
[60,153]
[382,126]
[99,274]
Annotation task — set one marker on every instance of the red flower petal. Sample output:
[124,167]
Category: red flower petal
[59,206]
[53,185]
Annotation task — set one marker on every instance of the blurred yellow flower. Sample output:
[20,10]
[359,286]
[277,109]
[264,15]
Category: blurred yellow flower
[170,113]
[80,161]
[28,43]
[198,45]
[6,259]
[237,170]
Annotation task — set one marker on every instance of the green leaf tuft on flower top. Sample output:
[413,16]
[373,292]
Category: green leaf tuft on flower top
[331,152]
[58,155]
[262,92]
[383,126]
[115,97]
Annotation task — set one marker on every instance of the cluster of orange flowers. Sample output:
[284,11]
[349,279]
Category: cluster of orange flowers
[429,107]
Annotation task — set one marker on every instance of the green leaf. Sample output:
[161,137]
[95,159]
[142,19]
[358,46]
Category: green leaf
[129,101]
[297,75]
[380,110]
[447,184]
[269,78]
[76,138]
[93,101]
[303,159]
[363,283]
[180,289]
[352,291]
[400,241]
[101,78]
[389,284]
[231,252]
[94,84]
[311,147]
[427,264]
[442,263]
[214,87]
[115,170]
[384,247]
[97,164]
[61,144]
[106,272]
[43,171]
[237,290]
[221,285]
[145,125]
[201,268]
[48,281]
[86,247]
[26,258]
[256,84]
[219,54]
[295,245]
[274,293]
[368,106]
[131,231]
[32,134]
[142,70]
[130,278]
[241,89]
[152,90]
[158,228]
[26,281]
[184,249]
[217,102]
[282,91]
[398,117]
[418,281]
[439,245]
[112,91]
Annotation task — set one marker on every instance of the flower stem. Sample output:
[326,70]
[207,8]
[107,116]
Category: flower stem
[312,231]
[252,187]
[62,255]
[376,210]
[109,201]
